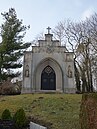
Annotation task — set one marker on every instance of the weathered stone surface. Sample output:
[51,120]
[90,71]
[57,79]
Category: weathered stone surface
[36,126]
[50,53]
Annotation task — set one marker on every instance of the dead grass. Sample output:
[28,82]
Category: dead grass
[57,111]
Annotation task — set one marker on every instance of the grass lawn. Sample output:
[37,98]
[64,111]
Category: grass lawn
[58,111]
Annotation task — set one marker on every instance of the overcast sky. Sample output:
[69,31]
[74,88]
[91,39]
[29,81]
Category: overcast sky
[40,14]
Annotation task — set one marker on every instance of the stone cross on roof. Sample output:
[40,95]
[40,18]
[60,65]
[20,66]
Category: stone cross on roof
[48,29]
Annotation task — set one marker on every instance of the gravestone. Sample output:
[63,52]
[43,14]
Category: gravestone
[36,126]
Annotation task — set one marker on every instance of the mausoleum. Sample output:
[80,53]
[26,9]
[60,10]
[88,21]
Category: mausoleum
[49,67]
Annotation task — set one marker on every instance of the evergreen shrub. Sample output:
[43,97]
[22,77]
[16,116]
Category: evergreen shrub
[6,115]
[20,119]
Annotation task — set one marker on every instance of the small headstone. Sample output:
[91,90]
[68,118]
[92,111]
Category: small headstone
[36,126]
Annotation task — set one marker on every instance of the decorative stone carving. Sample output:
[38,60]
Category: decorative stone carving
[49,49]
[68,57]
[69,74]
[27,71]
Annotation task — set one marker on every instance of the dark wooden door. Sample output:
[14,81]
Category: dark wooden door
[48,79]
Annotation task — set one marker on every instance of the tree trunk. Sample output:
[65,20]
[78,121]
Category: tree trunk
[91,82]
[77,78]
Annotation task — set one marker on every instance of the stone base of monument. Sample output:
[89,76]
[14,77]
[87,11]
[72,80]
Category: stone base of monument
[36,126]
[70,90]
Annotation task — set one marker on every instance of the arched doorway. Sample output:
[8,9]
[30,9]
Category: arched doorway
[36,78]
[48,79]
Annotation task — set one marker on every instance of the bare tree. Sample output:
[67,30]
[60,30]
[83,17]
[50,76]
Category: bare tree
[40,36]
[80,40]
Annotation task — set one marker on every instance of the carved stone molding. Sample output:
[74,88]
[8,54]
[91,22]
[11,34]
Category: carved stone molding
[49,49]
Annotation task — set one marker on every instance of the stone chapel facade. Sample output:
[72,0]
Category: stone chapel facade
[49,67]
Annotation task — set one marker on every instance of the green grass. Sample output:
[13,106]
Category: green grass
[61,111]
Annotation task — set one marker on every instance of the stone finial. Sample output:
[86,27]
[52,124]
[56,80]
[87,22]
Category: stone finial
[48,29]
